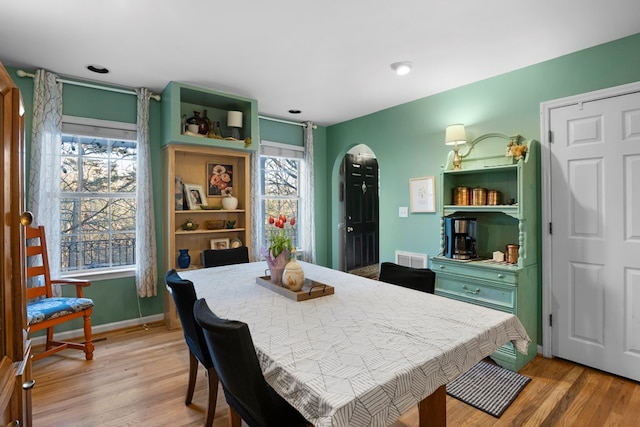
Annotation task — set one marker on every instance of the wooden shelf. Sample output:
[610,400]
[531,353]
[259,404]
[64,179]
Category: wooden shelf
[190,162]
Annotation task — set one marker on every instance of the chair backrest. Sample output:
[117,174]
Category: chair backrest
[37,262]
[420,279]
[236,362]
[218,257]
[184,296]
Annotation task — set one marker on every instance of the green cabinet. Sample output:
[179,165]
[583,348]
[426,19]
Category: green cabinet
[512,288]
[181,99]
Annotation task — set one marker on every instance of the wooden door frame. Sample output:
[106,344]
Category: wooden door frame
[545,175]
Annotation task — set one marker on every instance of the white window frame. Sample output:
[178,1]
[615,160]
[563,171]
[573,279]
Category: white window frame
[279,149]
[107,129]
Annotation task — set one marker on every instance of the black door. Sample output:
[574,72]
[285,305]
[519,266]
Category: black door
[361,210]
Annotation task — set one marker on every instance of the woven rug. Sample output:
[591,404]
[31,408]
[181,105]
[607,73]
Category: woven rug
[488,387]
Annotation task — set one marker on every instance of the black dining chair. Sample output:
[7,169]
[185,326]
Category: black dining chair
[218,257]
[420,279]
[184,296]
[234,357]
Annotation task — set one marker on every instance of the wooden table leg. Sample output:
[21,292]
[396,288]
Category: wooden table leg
[432,410]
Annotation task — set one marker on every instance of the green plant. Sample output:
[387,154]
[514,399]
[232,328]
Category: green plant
[281,240]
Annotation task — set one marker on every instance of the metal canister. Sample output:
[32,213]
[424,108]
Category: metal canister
[461,196]
[493,197]
[478,196]
[511,256]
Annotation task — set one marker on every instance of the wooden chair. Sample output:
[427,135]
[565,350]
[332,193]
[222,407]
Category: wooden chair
[44,310]
[420,279]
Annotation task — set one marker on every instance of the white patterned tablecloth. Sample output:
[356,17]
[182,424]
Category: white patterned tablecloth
[362,356]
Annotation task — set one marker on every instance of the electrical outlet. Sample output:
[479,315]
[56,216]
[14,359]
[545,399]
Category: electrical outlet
[403,212]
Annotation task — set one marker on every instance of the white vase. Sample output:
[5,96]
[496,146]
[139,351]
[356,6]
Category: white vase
[229,203]
[293,276]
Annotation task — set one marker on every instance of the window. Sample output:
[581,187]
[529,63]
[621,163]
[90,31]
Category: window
[97,195]
[280,166]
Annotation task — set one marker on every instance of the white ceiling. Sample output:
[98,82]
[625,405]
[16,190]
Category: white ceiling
[331,58]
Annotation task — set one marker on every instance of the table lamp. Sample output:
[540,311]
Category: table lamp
[234,122]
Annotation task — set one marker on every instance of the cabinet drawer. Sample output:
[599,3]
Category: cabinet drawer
[476,270]
[478,292]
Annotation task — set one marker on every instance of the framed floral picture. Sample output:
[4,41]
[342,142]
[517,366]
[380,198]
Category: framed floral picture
[219,179]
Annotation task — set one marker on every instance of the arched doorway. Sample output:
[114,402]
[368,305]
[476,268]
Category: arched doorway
[359,212]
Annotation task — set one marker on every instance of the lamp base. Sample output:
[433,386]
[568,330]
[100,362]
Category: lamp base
[235,133]
[457,160]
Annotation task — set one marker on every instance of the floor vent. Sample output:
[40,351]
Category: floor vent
[411,259]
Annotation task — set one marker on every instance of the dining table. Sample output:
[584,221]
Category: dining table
[363,355]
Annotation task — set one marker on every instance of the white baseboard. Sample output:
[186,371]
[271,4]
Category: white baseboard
[107,327]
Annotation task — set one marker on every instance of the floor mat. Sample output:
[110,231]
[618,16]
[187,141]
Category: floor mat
[488,387]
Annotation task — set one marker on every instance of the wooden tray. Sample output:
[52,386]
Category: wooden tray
[311,289]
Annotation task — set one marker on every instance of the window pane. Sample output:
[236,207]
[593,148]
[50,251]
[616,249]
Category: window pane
[280,195]
[98,203]
[280,176]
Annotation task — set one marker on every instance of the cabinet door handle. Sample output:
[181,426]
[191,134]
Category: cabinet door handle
[469,291]
[500,276]
[442,266]
[28,385]
[15,423]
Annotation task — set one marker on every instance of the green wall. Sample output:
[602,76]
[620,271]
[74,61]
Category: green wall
[115,299]
[408,140]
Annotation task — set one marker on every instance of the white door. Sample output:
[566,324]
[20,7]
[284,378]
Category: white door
[595,239]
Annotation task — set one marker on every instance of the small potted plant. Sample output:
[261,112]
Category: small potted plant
[280,247]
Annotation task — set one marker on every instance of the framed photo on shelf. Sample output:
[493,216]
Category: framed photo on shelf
[195,196]
[219,179]
[219,243]
[422,193]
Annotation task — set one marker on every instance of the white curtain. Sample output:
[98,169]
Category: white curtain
[146,260]
[254,195]
[306,190]
[44,171]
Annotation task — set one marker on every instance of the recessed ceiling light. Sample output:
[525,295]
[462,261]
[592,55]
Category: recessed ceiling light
[295,111]
[97,69]
[402,68]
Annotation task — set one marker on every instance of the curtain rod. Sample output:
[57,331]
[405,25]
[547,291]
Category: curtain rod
[285,121]
[22,73]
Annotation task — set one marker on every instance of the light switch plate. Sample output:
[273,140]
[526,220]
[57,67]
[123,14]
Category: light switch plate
[403,212]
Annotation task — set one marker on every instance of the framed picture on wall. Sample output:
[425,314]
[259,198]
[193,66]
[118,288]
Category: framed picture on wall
[422,193]
[195,196]
[219,179]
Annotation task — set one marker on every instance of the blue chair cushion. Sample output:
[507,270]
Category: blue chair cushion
[50,308]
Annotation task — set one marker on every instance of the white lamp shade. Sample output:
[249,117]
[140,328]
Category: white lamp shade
[234,119]
[455,134]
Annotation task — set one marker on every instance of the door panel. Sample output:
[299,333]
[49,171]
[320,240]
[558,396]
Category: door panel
[595,212]
[361,210]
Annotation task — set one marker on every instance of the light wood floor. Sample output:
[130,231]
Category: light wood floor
[138,378]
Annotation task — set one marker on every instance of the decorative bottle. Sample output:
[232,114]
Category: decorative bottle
[184,259]
[203,127]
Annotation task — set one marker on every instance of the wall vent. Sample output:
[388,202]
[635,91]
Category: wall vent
[411,259]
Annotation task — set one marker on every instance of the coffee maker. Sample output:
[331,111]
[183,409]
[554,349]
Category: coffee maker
[460,237]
